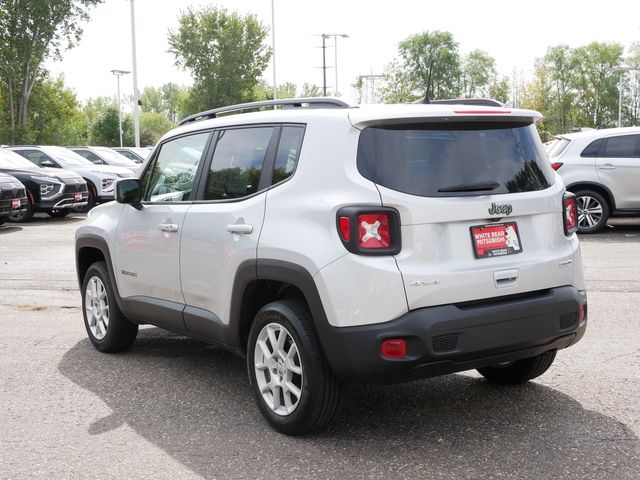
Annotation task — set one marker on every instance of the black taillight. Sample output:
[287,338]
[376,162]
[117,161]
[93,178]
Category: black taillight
[569,213]
[369,231]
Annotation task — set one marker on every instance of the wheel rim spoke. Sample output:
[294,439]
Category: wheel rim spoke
[278,369]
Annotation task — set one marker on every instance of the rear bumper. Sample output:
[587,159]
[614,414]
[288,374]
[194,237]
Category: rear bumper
[453,338]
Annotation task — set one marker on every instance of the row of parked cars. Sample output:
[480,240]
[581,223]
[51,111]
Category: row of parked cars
[58,180]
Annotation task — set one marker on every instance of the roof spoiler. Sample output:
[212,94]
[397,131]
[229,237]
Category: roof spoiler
[486,102]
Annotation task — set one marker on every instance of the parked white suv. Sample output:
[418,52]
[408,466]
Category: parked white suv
[100,179]
[602,167]
[327,244]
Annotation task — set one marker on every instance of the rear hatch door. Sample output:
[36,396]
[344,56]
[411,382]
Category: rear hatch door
[480,207]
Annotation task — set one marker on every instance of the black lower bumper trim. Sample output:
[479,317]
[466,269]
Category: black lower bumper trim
[447,339]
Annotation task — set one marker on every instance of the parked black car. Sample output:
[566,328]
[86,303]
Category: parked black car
[13,197]
[53,191]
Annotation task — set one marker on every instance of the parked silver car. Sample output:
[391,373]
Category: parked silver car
[602,167]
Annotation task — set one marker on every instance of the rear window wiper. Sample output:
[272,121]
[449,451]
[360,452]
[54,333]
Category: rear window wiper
[471,187]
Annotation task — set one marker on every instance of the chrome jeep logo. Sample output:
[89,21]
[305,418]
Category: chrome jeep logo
[505,209]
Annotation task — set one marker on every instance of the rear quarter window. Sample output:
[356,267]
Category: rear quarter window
[463,159]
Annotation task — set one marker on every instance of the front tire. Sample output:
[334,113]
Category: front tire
[107,327]
[519,371]
[593,211]
[23,216]
[291,380]
[91,201]
[58,213]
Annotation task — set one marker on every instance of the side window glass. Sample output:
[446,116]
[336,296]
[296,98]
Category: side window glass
[623,146]
[37,157]
[92,157]
[593,149]
[288,153]
[172,175]
[237,163]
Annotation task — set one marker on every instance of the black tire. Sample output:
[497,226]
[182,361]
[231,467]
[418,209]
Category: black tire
[58,213]
[120,332]
[595,201]
[321,391]
[91,200]
[25,215]
[519,371]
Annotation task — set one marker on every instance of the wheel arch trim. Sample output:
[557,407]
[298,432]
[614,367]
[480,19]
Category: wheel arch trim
[609,195]
[96,242]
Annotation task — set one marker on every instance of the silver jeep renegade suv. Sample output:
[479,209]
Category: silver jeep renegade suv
[327,244]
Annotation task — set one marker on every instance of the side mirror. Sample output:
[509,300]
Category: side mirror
[48,163]
[128,192]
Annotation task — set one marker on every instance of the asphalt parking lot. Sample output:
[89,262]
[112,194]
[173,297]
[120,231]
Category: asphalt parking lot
[175,408]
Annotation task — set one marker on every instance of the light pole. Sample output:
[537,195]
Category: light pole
[136,111]
[273,46]
[335,53]
[324,58]
[118,74]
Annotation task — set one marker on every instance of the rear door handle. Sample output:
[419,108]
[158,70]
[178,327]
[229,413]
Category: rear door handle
[506,278]
[239,228]
[607,166]
[168,227]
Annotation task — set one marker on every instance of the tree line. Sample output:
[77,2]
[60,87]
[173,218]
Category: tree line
[226,54]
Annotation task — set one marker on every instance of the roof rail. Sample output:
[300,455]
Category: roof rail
[487,102]
[312,102]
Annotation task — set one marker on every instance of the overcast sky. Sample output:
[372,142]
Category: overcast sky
[514,33]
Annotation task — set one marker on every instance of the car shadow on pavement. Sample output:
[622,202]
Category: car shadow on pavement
[193,401]
[8,228]
[45,220]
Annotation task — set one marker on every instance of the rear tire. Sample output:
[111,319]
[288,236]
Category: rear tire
[107,327]
[593,211]
[291,380]
[519,371]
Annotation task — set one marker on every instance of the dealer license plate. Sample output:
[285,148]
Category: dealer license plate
[77,197]
[15,203]
[495,240]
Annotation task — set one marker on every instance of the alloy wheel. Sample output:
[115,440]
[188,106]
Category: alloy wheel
[589,211]
[278,369]
[97,308]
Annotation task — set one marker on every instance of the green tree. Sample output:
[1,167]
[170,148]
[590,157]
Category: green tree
[31,32]
[152,100]
[398,86]
[54,115]
[631,88]
[264,91]
[499,89]
[175,99]
[104,130]
[310,90]
[152,126]
[478,71]
[596,83]
[224,51]
[432,57]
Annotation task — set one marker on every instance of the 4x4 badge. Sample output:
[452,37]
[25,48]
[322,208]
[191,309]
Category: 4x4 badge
[505,209]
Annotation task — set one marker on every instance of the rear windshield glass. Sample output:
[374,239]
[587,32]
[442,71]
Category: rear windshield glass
[442,160]
[558,147]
